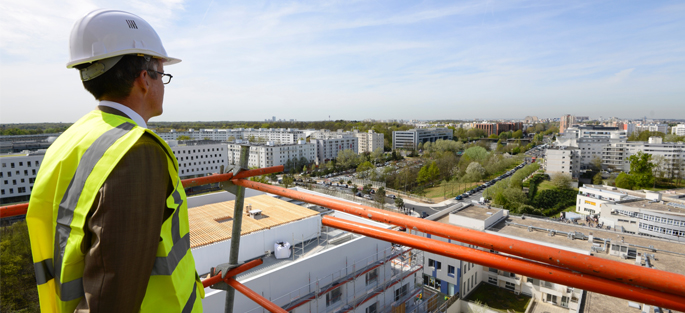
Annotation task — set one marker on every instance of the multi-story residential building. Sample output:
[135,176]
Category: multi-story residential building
[307,267]
[272,154]
[410,139]
[453,276]
[663,128]
[669,156]
[565,122]
[204,134]
[17,175]
[498,128]
[678,130]
[199,158]
[276,135]
[328,144]
[562,160]
[369,141]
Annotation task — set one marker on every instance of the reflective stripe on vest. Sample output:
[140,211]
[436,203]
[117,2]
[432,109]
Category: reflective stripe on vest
[73,290]
[74,168]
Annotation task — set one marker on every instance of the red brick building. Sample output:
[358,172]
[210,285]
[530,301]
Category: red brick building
[498,128]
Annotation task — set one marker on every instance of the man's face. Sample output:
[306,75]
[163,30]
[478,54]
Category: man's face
[156,96]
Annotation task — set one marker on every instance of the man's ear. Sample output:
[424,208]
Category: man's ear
[143,81]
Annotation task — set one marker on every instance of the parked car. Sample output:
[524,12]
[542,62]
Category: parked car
[458,198]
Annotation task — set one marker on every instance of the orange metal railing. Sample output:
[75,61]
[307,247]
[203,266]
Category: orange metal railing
[613,278]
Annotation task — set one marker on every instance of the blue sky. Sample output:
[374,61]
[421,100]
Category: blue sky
[360,59]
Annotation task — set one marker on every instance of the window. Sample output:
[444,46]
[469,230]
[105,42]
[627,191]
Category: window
[509,286]
[372,308]
[401,292]
[334,296]
[438,265]
[552,298]
[450,269]
[492,280]
[372,276]
[431,262]
[12,165]
[21,189]
[2,191]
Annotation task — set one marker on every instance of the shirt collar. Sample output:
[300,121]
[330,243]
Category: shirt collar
[126,110]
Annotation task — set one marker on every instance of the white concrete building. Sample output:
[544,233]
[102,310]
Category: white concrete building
[325,269]
[562,160]
[205,134]
[197,158]
[410,139]
[369,141]
[17,175]
[590,199]
[663,128]
[671,154]
[678,130]
[463,277]
[271,154]
[276,135]
[328,144]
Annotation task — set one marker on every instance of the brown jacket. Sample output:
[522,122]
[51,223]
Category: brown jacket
[123,229]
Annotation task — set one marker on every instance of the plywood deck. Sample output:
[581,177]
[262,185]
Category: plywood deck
[205,227]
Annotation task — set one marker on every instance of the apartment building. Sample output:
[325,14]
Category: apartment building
[410,139]
[17,175]
[498,128]
[369,141]
[277,135]
[329,144]
[671,154]
[565,122]
[662,128]
[307,267]
[204,134]
[199,158]
[678,130]
[463,277]
[591,197]
[562,160]
[272,154]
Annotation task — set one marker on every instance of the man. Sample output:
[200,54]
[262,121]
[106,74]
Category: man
[108,219]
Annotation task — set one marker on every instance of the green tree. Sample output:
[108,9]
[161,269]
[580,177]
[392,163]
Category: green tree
[363,168]
[597,179]
[379,197]
[18,284]
[517,134]
[625,181]
[641,169]
[474,172]
[561,181]
[596,163]
[399,203]
[183,137]
[288,180]
[476,153]
[347,159]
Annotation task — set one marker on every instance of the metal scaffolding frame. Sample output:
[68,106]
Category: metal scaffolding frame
[627,281]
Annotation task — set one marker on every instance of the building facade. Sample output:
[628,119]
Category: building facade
[410,139]
[498,128]
[561,160]
[272,154]
[18,174]
[565,122]
[678,130]
[329,144]
[369,141]
[199,158]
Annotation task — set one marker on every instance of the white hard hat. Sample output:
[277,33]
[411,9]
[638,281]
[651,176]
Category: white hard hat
[105,34]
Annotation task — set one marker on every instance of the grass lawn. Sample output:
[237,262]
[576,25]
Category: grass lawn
[544,185]
[499,298]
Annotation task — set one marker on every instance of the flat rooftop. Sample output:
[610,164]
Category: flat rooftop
[655,206]
[214,222]
[477,212]
[670,255]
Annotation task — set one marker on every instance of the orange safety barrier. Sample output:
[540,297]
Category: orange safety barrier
[20,209]
[531,269]
[264,302]
[636,275]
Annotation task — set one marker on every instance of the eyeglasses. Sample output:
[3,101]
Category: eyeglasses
[166,78]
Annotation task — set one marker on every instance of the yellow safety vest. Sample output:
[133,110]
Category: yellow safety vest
[73,170]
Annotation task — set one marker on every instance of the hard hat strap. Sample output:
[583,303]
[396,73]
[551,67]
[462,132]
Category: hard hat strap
[99,67]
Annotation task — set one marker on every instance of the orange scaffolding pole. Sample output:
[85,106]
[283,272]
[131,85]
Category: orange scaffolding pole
[641,276]
[264,302]
[20,209]
[232,272]
[531,269]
